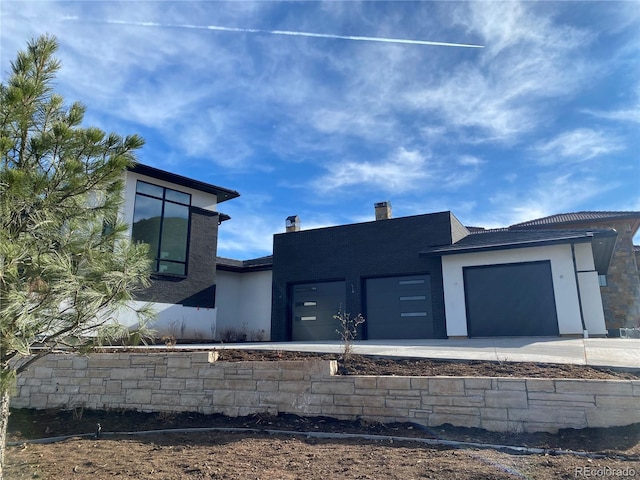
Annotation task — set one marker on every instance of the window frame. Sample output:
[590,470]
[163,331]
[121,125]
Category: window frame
[157,259]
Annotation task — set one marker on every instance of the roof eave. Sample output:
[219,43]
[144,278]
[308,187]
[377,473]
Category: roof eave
[222,194]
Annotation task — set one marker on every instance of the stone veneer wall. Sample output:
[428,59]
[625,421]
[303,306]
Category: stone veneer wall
[195,381]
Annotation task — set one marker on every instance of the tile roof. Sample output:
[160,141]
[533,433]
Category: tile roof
[577,217]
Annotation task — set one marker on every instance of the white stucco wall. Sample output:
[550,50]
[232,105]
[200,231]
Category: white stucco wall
[243,301]
[564,285]
[182,322]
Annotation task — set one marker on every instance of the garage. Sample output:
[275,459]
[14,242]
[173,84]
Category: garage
[313,306]
[514,299]
[399,307]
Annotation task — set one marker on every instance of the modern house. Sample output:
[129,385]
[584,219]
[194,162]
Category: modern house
[424,276]
[178,217]
[428,276]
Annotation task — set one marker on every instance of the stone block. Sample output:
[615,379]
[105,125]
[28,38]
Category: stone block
[223,397]
[603,417]
[151,384]
[247,399]
[195,400]
[342,411]
[277,399]
[270,374]
[291,374]
[511,384]
[615,402]
[560,399]
[239,384]
[65,363]
[316,399]
[180,372]
[147,359]
[494,414]
[167,384]
[266,386]
[193,384]
[446,386]
[394,383]
[478,383]
[78,362]
[365,382]
[113,386]
[598,387]
[337,386]
[165,398]
[506,398]
[42,372]
[540,385]
[351,400]
[138,396]
[448,410]
[39,400]
[403,402]
[210,372]
[293,387]
[128,373]
[92,389]
[553,415]
[213,384]
[108,362]
[178,361]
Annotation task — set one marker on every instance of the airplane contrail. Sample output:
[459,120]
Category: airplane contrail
[290,33]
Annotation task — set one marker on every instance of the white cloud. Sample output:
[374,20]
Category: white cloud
[625,115]
[549,195]
[500,95]
[403,170]
[578,145]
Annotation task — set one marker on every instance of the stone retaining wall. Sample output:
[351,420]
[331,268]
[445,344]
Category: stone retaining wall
[195,381]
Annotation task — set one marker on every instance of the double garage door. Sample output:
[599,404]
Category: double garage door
[396,307]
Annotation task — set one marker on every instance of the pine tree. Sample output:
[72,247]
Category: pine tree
[66,268]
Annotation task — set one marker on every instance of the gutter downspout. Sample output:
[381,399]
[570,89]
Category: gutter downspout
[585,332]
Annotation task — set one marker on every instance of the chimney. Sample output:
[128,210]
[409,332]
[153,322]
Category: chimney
[293,223]
[383,210]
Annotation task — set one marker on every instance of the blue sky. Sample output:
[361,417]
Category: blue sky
[544,119]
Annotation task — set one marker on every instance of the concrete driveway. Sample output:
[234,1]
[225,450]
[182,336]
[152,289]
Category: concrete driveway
[608,352]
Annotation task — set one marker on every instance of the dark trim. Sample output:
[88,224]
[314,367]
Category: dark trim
[453,250]
[222,194]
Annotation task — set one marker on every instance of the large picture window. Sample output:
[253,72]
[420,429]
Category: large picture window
[161,219]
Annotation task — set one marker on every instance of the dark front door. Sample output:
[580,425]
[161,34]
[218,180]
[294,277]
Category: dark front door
[313,306]
[510,300]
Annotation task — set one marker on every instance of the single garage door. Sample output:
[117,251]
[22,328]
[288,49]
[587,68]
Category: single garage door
[510,300]
[312,310]
[399,307]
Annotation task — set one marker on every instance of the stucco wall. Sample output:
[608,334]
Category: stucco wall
[194,381]
[564,285]
[244,302]
[189,323]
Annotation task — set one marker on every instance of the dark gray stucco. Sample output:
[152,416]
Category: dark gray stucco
[356,252]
